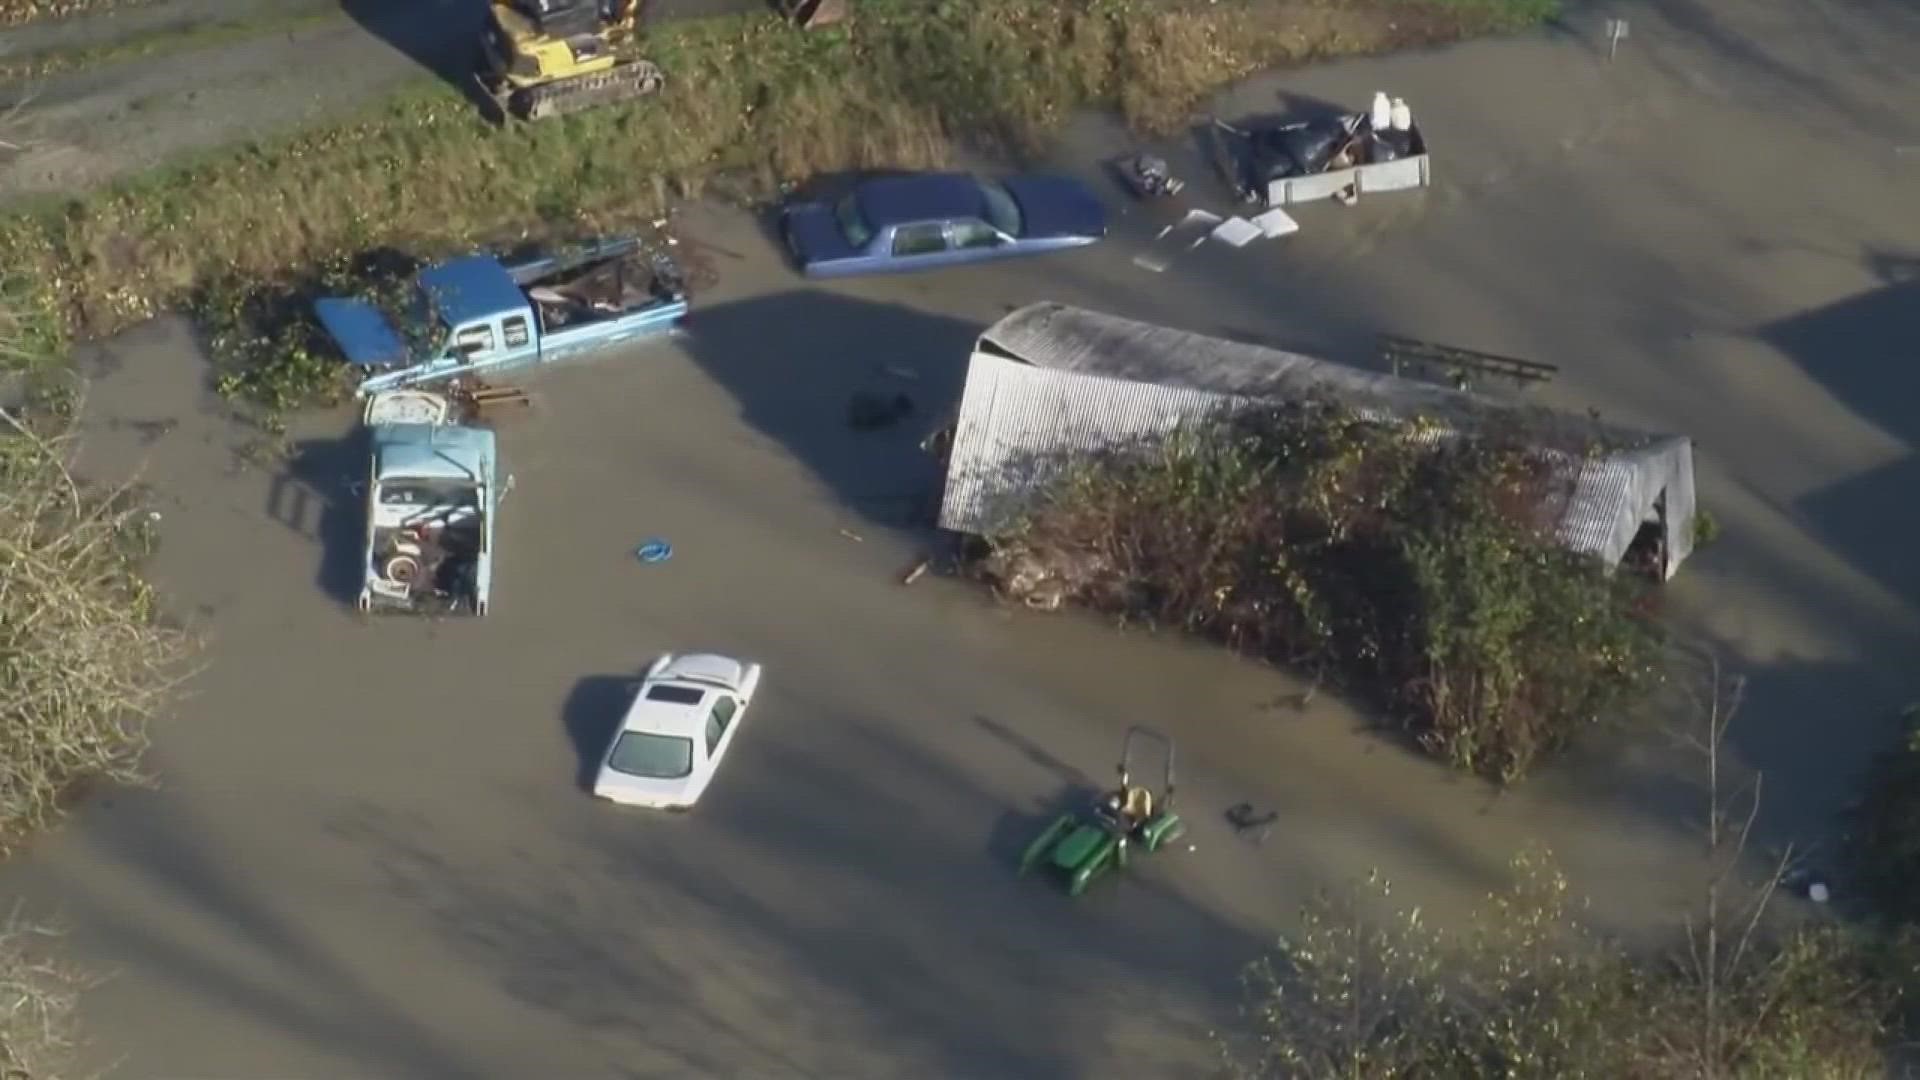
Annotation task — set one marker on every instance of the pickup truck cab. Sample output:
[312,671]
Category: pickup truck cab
[432,493]
[479,316]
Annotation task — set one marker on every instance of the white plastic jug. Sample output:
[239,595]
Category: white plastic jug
[1382,110]
[1400,115]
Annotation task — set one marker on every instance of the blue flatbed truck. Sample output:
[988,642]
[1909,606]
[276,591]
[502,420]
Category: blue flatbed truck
[481,316]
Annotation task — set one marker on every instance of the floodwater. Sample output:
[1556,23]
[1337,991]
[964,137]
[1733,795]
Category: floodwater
[370,853]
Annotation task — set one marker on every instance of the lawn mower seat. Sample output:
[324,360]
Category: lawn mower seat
[1139,805]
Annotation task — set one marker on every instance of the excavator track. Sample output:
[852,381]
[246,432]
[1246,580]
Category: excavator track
[633,79]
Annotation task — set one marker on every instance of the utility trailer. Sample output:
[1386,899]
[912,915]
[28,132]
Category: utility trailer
[1274,165]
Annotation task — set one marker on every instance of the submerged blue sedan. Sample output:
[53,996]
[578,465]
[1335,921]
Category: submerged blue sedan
[896,223]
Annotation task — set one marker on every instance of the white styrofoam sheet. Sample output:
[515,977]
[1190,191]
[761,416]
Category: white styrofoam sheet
[1237,231]
[1276,223]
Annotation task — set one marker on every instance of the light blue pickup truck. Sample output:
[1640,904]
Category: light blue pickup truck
[433,487]
[481,316]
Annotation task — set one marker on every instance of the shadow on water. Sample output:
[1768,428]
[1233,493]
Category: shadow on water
[800,389]
[270,966]
[590,716]
[317,493]
[919,952]
[1861,350]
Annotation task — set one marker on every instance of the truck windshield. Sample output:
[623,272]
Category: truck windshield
[429,492]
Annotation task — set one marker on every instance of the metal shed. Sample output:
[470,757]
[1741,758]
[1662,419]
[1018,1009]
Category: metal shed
[1050,382]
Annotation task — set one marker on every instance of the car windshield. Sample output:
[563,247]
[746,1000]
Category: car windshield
[858,232]
[656,757]
[1003,210]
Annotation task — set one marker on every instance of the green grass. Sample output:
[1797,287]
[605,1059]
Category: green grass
[17,12]
[748,99]
[161,42]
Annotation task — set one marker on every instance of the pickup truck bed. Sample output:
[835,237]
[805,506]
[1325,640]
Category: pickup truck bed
[577,296]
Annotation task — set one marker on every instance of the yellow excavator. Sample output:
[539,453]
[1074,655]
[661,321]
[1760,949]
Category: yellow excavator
[544,58]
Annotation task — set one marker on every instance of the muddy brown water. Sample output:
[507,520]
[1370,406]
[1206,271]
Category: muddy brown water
[370,853]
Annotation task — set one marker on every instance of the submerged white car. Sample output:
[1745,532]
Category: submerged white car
[683,718]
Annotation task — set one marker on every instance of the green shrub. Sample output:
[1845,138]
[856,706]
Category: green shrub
[1367,550]
[1884,839]
[1706,528]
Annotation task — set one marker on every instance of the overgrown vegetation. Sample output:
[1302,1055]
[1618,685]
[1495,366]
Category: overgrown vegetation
[1528,989]
[1885,834]
[85,661]
[1367,549]
[39,995]
[85,655]
[750,100]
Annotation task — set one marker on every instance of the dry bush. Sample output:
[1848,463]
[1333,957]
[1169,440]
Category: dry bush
[38,997]
[85,657]
[1738,989]
[1363,991]
[822,132]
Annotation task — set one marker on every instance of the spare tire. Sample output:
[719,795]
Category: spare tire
[403,569]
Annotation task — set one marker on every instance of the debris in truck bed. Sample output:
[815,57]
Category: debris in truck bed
[1339,157]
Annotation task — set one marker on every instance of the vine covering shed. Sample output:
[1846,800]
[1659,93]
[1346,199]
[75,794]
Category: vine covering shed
[1049,383]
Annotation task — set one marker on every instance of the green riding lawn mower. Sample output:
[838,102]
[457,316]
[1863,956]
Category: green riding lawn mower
[1082,846]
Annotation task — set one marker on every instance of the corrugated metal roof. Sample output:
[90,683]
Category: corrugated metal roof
[1059,337]
[1050,382]
[1018,422]
[1602,500]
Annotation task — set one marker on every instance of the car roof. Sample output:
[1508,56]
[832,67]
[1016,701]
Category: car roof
[668,717]
[892,200]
